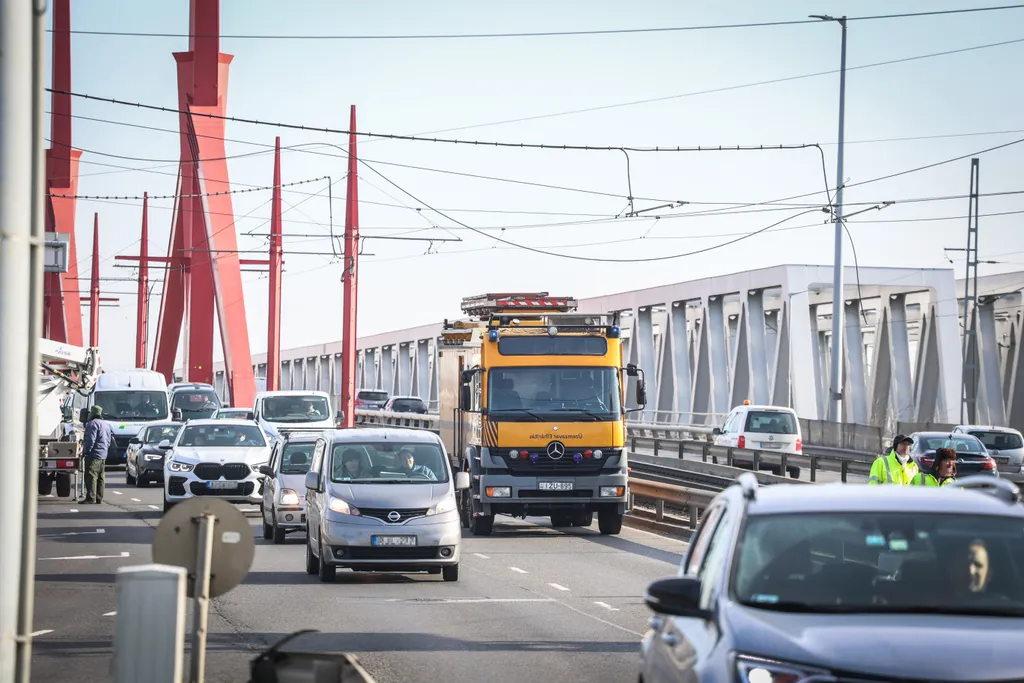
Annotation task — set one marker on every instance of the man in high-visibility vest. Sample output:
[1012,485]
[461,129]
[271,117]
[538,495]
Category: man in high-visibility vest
[896,467]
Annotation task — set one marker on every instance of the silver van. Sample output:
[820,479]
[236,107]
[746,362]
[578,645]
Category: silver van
[382,500]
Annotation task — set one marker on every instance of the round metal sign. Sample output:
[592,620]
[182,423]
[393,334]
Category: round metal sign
[177,543]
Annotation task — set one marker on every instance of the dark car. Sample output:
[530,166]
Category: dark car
[144,460]
[834,582]
[371,399]
[406,404]
[971,455]
[194,402]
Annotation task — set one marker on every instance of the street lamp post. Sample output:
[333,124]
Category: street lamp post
[838,299]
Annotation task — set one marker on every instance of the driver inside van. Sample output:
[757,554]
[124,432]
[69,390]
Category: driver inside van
[406,463]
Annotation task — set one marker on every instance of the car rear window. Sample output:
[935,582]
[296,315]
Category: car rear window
[408,404]
[999,441]
[961,445]
[770,422]
[372,395]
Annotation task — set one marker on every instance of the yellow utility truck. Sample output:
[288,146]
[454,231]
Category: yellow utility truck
[532,401]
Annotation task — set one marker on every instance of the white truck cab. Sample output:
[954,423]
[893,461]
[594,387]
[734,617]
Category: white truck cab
[293,409]
[130,399]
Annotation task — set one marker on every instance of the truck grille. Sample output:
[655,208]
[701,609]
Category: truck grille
[561,467]
[382,513]
[211,471]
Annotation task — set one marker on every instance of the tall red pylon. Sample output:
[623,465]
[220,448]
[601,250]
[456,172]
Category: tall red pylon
[142,304]
[203,242]
[351,282]
[274,303]
[62,315]
[94,285]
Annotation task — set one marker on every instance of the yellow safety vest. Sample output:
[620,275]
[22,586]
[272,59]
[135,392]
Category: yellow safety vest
[926,479]
[888,470]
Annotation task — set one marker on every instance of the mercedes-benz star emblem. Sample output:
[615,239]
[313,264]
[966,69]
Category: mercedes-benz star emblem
[394,516]
[556,449]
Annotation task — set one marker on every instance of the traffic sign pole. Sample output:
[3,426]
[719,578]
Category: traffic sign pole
[201,609]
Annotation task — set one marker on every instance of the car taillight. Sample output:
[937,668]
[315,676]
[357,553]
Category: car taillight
[360,402]
[799,446]
[927,460]
[742,443]
[990,464]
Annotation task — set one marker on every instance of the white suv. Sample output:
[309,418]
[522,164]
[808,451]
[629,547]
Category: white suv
[220,458]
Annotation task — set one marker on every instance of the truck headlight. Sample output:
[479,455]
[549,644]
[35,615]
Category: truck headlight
[289,497]
[757,670]
[446,504]
[343,508]
[175,466]
[498,491]
[613,491]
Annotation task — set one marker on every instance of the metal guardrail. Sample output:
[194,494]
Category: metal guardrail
[381,418]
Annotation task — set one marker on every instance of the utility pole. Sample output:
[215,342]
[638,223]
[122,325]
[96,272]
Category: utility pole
[350,285]
[838,299]
[969,381]
[142,302]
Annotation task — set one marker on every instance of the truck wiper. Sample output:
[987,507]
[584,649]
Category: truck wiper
[532,414]
[596,416]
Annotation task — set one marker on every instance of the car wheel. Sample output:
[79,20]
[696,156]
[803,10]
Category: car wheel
[140,481]
[312,563]
[327,571]
[129,478]
[268,532]
[276,531]
[450,572]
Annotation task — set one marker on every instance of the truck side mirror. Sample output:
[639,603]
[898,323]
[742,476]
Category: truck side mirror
[83,415]
[641,393]
[465,397]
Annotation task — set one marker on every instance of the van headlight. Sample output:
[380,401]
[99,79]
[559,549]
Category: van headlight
[343,508]
[289,497]
[446,504]
[175,466]
[757,670]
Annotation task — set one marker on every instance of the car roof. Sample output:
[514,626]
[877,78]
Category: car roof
[406,398]
[778,409]
[989,428]
[302,436]
[824,498]
[163,423]
[222,423]
[292,392]
[943,435]
[383,434]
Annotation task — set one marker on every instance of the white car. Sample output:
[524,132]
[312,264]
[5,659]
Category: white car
[762,428]
[220,458]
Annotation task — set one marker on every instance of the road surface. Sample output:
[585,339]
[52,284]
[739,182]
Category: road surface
[531,603]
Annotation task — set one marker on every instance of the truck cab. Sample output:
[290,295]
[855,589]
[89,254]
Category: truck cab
[130,399]
[533,405]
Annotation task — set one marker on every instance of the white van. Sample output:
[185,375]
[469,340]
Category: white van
[293,410]
[130,400]
[762,428]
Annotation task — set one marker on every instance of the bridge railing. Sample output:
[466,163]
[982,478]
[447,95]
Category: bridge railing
[381,418]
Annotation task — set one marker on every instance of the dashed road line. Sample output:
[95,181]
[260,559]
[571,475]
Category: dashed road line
[86,557]
[481,556]
[36,634]
[558,587]
[518,570]
[73,510]
[606,606]
[110,614]
[155,507]
[136,500]
[117,493]
[72,533]
[466,601]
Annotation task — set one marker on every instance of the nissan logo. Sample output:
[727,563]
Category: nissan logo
[556,449]
[394,516]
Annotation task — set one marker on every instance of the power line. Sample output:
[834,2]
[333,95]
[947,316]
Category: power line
[541,34]
[188,196]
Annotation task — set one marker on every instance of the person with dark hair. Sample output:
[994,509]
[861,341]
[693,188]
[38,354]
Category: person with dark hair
[942,472]
[895,467]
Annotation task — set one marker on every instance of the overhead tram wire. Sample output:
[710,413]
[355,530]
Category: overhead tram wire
[546,34]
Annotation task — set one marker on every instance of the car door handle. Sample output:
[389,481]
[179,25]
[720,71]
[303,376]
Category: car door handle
[670,639]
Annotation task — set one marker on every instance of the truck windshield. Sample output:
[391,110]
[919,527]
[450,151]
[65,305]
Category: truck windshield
[553,393]
[296,408]
[134,406]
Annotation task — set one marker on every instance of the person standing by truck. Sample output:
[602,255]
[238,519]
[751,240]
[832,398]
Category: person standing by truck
[98,437]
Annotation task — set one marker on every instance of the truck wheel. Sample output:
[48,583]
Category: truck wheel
[45,484]
[464,509]
[481,526]
[561,519]
[610,523]
[450,572]
[583,519]
[63,484]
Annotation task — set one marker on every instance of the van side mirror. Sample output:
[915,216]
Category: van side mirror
[164,445]
[176,415]
[313,481]
[677,597]
[250,415]
[461,481]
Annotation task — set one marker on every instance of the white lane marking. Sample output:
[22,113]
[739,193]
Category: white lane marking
[518,570]
[603,621]
[606,606]
[86,557]
[117,493]
[110,614]
[155,507]
[463,601]
[42,633]
[556,586]
[73,510]
[482,557]
[72,533]
[136,500]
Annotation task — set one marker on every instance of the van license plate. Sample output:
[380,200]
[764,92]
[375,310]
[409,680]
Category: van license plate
[393,540]
[770,444]
[555,485]
[222,485]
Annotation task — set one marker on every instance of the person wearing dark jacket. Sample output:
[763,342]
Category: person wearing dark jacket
[98,437]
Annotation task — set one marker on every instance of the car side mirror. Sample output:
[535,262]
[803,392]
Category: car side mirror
[265,469]
[716,431]
[461,481]
[164,445]
[677,597]
[313,481]
[135,441]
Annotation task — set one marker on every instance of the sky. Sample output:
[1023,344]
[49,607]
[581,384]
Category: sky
[512,89]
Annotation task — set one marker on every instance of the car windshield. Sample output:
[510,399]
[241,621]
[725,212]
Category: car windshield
[770,422]
[193,400]
[372,395]
[134,406]
[388,463]
[958,444]
[156,434]
[999,441]
[296,408]
[296,457]
[553,393]
[882,562]
[221,436]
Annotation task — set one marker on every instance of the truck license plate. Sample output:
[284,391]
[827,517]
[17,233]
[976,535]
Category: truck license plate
[47,464]
[393,540]
[555,486]
[221,485]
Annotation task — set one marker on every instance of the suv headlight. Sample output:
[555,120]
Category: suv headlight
[343,508]
[289,497]
[175,466]
[446,504]
[758,670]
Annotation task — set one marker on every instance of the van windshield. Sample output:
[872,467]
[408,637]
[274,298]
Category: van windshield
[134,406]
[195,403]
[388,463]
[296,408]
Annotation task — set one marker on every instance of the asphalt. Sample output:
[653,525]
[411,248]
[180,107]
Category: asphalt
[532,603]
